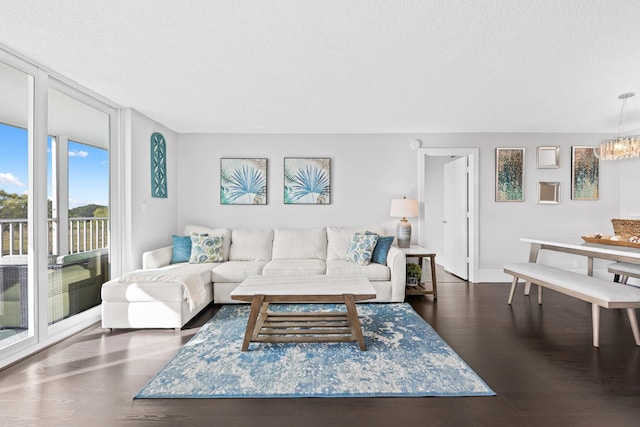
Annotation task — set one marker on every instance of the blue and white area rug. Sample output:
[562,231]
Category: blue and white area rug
[404,357]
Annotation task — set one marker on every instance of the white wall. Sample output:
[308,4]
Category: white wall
[630,188]
[152,220]
[369,170]
[501,224]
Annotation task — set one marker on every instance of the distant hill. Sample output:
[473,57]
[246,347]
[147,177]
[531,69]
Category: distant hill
[84,211]
[15,206]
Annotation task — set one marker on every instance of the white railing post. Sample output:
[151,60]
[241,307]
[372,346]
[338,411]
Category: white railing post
[20,239]
[10,238]
[77,236]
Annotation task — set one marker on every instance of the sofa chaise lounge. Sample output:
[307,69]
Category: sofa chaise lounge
[154,297]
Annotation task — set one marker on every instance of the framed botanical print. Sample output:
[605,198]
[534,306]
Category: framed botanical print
[243,181]
[509,174]
[585,174]
[307,181]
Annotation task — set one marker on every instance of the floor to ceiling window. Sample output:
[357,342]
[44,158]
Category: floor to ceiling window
[55,217]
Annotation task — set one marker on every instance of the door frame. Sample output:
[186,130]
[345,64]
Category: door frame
[473,154]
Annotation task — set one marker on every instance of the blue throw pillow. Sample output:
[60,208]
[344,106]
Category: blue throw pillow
[382,249]
[181,249]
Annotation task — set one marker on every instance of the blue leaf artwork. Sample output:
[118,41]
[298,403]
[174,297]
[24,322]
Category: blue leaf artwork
[243,181]
[158,166]
[307,181]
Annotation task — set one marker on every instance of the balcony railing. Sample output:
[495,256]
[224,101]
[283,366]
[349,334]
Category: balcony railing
[84,234]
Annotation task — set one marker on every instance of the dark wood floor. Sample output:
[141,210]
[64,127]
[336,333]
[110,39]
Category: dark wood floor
[539,361]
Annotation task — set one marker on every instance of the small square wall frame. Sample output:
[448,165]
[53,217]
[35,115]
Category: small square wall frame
[548,157]
[548,193]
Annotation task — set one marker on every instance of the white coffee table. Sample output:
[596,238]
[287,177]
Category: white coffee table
[264,326]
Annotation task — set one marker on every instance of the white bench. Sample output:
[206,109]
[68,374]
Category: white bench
[625,270]
[600,293]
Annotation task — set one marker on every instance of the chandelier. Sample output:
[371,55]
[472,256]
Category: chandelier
[620,147]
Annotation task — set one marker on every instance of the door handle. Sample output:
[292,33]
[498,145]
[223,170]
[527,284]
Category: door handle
[444,222]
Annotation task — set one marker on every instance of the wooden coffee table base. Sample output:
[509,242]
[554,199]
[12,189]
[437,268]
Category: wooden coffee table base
[264,326]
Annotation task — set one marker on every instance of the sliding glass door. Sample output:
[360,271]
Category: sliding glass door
[16,284]
[79,198]
[56,145]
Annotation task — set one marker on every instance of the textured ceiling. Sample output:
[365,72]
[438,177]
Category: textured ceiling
[336,66]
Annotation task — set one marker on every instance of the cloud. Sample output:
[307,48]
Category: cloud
[9,178]
[78,153]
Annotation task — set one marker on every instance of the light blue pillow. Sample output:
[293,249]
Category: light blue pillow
[361,248]
[181,249]
[382,248]
[205,249]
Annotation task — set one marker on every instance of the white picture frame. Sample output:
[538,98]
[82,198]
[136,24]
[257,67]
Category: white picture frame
[548,157]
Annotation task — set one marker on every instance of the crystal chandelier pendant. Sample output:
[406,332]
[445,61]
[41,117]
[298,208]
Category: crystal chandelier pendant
[621,147]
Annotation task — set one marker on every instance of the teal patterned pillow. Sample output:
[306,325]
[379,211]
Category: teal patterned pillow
[205,249]
[361,248]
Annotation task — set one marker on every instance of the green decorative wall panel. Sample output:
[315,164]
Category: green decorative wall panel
[158,166]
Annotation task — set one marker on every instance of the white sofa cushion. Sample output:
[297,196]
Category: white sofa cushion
[237,271]
[339,239]
[294,267]
[204,269]
[115,290]
[303,243]
[251,245]
[212,232]
[373,271]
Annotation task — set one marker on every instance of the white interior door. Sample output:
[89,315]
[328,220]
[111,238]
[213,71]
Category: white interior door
[455,221]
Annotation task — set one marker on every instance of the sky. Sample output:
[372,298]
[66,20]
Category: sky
[88,168]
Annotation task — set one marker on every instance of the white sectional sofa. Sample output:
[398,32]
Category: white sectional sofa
[246,252]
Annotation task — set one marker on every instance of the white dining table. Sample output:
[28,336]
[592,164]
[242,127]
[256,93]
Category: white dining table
[577,246]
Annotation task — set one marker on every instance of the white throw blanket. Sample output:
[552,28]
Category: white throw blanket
[192,283]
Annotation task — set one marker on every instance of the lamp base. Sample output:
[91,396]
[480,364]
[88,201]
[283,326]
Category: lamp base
[403,233]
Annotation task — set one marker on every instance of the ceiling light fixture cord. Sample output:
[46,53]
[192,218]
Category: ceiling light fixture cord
[624,98]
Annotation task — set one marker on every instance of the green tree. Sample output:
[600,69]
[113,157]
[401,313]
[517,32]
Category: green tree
[101,212]
[84,211]
[13,206]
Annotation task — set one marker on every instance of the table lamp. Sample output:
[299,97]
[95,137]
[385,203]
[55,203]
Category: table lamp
[404,208]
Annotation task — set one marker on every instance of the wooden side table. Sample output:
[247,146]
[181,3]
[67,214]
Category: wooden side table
[419,252]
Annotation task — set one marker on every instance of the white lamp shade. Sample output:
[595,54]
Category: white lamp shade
[404,208]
